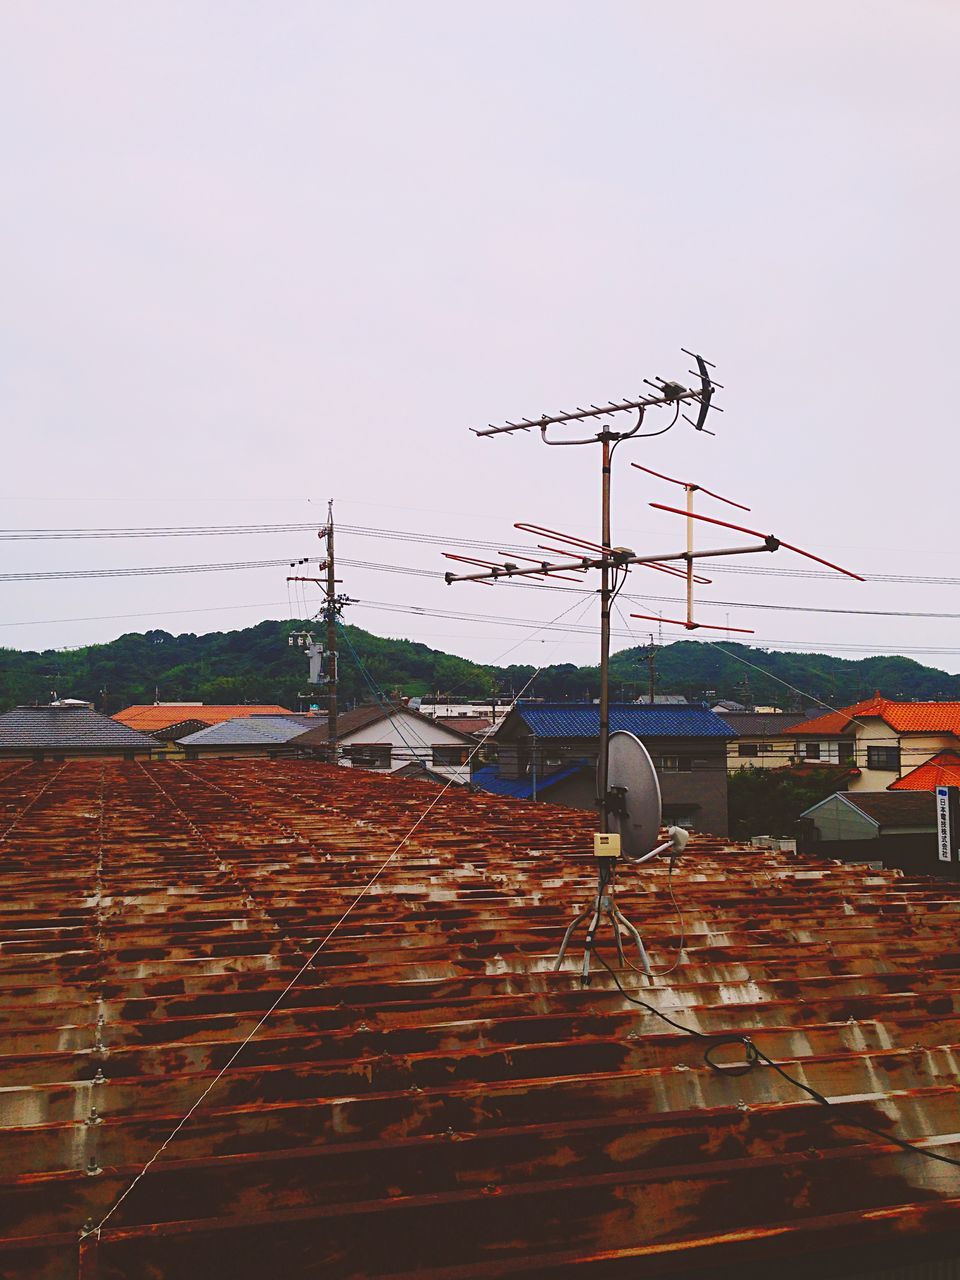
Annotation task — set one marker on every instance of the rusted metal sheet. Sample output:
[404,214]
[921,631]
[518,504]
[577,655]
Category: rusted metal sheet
[430,1097]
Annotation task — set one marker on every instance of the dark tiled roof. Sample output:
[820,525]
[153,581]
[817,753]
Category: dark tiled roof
[466,724]
[762,724]
[68,729]
[249,731]
[425,1095]
[897,808]
[582,720]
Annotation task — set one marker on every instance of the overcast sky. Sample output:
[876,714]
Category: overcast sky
[258,255]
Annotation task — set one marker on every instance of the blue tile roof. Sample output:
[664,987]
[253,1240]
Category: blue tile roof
[488,779]
[582,720]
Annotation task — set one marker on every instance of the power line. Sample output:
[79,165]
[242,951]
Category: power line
[56,575]
[395,535]
[761,643]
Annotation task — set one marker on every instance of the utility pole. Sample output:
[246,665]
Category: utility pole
[331,620]
[652,671]
[330,613]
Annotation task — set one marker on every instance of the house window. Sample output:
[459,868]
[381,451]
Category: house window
[847,753]
[811,750]
[369,755]
[766,748]
[748,749]
[887,758]
[673,764]
[450,755]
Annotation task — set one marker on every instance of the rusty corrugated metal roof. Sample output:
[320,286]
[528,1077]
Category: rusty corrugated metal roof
[430,1097]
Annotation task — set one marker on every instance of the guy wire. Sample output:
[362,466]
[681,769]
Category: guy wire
[96,1230]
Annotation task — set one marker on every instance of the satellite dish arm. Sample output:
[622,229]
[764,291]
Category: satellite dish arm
[675,845]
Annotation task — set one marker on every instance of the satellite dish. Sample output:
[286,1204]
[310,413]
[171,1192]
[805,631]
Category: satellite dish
[635,811]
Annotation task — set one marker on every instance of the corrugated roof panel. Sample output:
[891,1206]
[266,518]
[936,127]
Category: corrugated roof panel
[429,1097]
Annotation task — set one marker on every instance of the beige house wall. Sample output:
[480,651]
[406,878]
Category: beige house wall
[829,752]
[915,749]
[772,753]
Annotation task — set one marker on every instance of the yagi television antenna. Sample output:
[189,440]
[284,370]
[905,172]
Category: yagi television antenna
[580,555]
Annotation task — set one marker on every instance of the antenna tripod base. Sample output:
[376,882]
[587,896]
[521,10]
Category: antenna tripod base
[604,907]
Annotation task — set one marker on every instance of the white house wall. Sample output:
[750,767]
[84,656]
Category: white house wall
[412,741]
[837,820]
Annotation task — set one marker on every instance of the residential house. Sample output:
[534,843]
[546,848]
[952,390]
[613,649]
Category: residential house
[68,730]
[761,738]
[889,829]
[490,711]
[391,738]
[883,738]
[551,749]
[171,721]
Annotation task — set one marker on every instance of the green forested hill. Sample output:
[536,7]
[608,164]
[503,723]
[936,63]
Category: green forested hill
[257,665]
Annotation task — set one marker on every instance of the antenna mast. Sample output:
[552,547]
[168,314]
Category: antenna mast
[612,561]
[330,611]
[616,803]
[615,562]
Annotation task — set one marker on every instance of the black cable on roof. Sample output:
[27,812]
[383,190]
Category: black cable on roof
[754,1055]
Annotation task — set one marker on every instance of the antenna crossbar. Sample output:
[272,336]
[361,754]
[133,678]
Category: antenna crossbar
[684,394]
[665,392]
[691,625]
[690,485]
[739,528]
[616,560]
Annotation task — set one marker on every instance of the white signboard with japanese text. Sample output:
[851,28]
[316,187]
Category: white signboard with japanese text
[945,823]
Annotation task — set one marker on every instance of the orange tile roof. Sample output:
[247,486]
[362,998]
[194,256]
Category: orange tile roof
[838,721]
[150,718]
[905,717]
[942,771]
